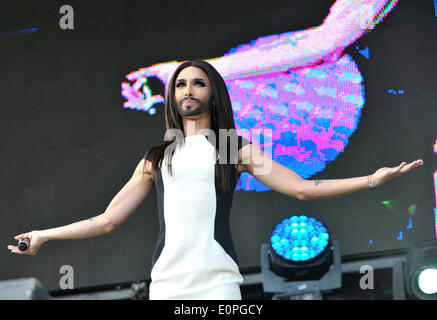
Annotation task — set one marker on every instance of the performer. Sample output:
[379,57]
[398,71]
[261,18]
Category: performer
[195,177]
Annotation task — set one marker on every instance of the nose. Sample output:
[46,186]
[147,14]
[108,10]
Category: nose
[188,91]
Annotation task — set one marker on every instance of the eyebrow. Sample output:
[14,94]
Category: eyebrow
[180,80]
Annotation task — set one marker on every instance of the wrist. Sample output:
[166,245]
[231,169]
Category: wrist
[43,235]
[369,182]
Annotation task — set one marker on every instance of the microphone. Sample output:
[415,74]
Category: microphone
[23,245]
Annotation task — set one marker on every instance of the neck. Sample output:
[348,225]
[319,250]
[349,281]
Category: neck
[194,125]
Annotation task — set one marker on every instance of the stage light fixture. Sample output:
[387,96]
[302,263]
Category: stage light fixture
[416,278]
[300,260]
[300,241]
[427,281]
[421,270]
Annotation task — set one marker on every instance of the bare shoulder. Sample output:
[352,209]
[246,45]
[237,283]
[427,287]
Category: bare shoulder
[144,169]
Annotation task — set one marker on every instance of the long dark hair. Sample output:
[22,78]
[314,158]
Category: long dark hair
[221,118]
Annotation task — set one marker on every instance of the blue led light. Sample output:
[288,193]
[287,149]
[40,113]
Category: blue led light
[299,238]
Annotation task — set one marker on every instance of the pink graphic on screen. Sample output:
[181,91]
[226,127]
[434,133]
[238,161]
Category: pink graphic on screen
[299,85]
[311,111]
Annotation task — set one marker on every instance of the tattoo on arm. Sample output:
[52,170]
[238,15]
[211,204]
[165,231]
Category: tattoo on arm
[317,182]
[90,226]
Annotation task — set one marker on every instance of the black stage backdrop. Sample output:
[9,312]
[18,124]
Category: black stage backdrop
[67,145]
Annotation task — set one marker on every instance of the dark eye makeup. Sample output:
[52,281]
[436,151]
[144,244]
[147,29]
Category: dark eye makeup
[202,84]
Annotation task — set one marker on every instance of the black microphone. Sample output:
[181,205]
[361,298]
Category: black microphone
[23,245]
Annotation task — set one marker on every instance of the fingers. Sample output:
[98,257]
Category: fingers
[14,249]
[20,237]
[399,168]
[23,236]
[404,167]
[416,163]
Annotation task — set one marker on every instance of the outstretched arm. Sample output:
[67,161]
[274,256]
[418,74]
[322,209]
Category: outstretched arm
[286,181]
[127,200]
[334,188]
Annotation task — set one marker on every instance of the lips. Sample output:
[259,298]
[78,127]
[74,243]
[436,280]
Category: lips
[189,102]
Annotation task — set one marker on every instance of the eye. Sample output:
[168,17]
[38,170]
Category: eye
[200,83]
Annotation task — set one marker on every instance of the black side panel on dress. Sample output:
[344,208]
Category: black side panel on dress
[160,199]
[222,230]
[159,186]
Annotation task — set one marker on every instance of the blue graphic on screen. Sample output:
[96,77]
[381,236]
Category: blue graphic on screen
[401,236]
[364,52]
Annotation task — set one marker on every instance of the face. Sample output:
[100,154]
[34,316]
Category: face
[193,93]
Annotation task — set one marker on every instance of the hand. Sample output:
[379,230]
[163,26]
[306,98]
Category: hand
[35,242]
[385,174]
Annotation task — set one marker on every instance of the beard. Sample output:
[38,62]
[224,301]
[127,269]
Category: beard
[194,110]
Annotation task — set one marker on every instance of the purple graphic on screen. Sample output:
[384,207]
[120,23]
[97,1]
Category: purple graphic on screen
[297,85]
